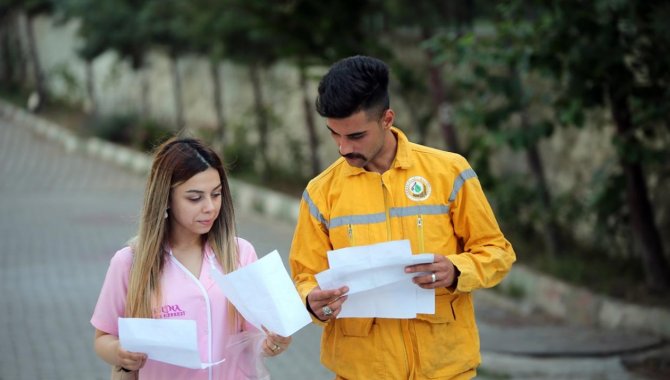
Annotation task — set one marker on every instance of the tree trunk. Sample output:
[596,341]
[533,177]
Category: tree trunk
[15,49]
[7,72]
[90,89]
[261,119]
[309,121]
[145,105]
[40,84]
[177,95]
[440,102]
[646,235]
[551,235]
[552,240]
[217,99]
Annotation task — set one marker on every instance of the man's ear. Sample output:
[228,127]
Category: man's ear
[388,118]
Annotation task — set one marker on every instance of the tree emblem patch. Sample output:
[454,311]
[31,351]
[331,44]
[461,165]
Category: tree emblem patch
[417,188]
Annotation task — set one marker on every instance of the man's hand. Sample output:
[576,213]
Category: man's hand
[326,304]
[441,273]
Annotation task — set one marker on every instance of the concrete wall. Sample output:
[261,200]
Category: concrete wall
[118,89]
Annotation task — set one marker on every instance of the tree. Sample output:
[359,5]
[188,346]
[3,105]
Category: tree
[616,54]
[312,33]
[120,26]
[501,100]
[13,72]
[430,19]
[169,27]
[249,41]
[92,43]
[32,9]
[209,21]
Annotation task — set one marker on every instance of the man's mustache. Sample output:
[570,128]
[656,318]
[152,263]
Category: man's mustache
[352,156]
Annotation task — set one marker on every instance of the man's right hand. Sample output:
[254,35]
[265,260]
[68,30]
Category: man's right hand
[326,304]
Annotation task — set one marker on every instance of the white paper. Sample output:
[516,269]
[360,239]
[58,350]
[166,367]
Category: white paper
[265,295]
[172,341]
[378,284]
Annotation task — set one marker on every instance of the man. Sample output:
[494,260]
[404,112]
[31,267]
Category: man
[385,188]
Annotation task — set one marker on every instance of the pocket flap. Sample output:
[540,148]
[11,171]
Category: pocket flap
[355,326]
[444,311]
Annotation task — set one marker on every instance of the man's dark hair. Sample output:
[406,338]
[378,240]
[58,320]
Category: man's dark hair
[353,84]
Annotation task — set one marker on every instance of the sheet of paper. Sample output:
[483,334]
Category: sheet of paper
[172,341]
[373,255]
[361,275]
[265,295]
[382,302]
[378,284]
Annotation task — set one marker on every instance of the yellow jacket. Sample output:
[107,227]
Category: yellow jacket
[434,199]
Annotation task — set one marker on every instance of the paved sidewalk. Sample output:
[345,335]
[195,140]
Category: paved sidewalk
[62,216]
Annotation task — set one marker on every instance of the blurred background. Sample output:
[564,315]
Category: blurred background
[562,107]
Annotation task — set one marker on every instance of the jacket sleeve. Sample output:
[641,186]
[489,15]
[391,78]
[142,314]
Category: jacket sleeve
[309,248]
[486,255]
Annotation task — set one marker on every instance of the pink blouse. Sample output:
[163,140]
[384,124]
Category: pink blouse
[184,297]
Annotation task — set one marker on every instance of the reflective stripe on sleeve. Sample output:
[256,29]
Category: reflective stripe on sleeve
[313,209]
[460,180]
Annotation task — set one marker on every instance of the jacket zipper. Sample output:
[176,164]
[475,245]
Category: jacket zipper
[386,210]
[350,233]
[209,307]
[419,226]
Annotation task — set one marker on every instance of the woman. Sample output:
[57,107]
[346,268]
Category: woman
[187,230]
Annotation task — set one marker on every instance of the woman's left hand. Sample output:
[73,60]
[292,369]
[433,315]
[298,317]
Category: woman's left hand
[274,344]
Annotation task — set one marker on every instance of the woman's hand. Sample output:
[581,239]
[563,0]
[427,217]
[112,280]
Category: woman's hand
[275,344]
[130,360]
[109,348]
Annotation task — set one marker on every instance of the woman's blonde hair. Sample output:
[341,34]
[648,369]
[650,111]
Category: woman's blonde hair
[175,162]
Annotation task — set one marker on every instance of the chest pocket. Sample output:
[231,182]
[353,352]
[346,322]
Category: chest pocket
[358,230]
[430,231]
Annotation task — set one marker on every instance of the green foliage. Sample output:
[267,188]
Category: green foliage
[611,218]
[516,202]
[123,26]
[239,154]
[512,290]
[129,130]
[31,7]
[601,48]
[64,74]
[18,97]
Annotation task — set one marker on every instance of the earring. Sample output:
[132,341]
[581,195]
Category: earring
[165,215]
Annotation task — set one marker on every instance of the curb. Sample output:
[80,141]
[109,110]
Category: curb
[555,297]
[579,305]
[548,368]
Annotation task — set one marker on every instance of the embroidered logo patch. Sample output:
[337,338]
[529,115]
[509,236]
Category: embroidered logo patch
[417,188]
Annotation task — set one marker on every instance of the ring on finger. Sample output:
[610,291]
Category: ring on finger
[433,276]
[275,347]
[327,311]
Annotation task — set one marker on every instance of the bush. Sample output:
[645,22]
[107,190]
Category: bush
[129,130]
